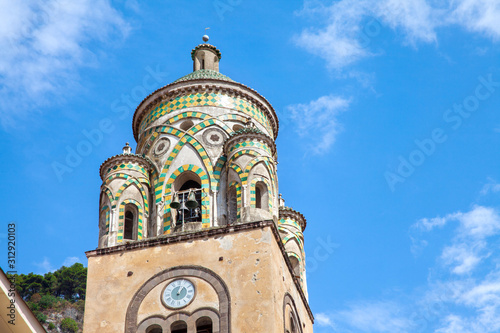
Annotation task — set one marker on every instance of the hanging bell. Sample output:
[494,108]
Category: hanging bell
[183,207]
[191,203]
[175,202]
[196,212]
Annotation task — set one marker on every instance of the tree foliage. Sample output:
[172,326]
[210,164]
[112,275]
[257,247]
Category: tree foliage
[68,325]
[67,282]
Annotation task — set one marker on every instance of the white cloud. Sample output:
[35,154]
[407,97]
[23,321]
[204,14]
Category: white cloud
[461,293]
[368,317]
[480,16]
[429,224]
[45,266]
[463,257]
[491,187]
[44,44]
[468,246]
[317,121]
[69,261]
[324,320]
[337,42]
[413,17]
[348,26]
[479,223]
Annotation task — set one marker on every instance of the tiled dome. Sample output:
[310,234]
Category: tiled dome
[204,74]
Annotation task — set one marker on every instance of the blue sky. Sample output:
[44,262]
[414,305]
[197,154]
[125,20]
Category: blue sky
[389,137]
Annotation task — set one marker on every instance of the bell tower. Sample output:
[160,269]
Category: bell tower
[193,233]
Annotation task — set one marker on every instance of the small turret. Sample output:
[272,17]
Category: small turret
[205,56]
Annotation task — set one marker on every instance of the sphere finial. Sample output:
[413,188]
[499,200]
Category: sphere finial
[205,36]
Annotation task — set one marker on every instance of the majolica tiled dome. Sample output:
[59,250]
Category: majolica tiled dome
[204,74]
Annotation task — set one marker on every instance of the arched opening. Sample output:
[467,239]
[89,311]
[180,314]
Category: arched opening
[261,196]
[188,187]
[178,327]
[130,222]
[204,325]
[295,266]
[237,127]
[293,323]
[190,184]
[258,198]
[155,328]
[186,125]
[128,226]
[232,204]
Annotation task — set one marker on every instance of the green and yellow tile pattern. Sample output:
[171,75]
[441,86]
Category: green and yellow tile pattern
[237,187]
[121,219]
[206,99]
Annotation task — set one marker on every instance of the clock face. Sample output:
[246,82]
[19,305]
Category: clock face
[178,293]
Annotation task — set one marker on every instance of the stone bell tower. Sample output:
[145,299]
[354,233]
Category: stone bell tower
[193,235]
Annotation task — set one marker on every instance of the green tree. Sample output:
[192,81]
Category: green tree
[47,301]
[71,282]
[41,317]
[49,284]
[68,325]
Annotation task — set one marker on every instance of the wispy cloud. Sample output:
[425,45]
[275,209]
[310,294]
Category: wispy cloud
[43,44]
[45,266]
[324,320]
[462,291]
[69,261]
[468,246]
[343,34]
[384,316]
[317,121]
[491,187]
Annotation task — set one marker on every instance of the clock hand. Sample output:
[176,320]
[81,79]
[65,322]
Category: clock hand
[179,292]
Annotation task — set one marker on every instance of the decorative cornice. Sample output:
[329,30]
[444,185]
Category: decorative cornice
[125,158]
[294,215]
[206,46]
[176,89]
[203,234]
[251,133]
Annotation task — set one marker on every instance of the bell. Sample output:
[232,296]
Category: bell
[196,212]
[175,202]
[183,207]
[191,202]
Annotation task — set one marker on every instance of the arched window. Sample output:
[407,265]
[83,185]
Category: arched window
[128,225]
[232,204]
[295,266]
[258,197]
[186,125]
[237,127]
[293,324]
[194,214]
[186,183]
[154,329]
[261,196]
[179,327]
[204,325]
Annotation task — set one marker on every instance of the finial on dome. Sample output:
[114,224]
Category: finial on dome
[205,37]
[281,201]
[127,149]
[205,56]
